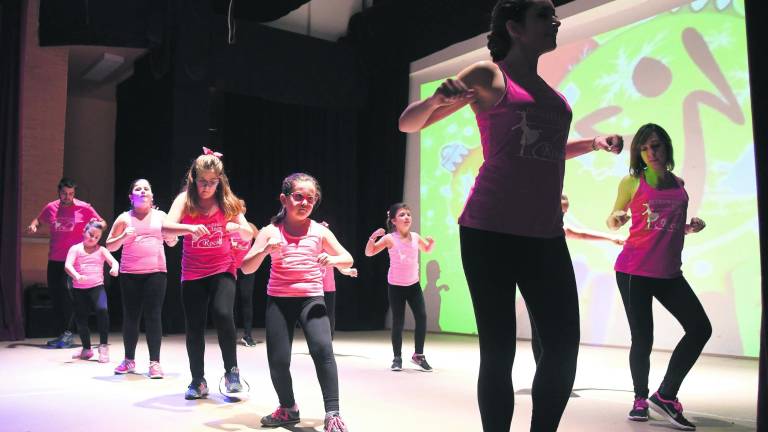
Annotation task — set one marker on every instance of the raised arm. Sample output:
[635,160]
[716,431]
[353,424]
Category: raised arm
[119,232]
[619,216]
[426,244]
[373,246]
[267,240]
[335,254]
[610,143]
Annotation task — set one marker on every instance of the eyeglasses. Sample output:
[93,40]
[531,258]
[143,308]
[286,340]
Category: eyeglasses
[299,197]
[204,183]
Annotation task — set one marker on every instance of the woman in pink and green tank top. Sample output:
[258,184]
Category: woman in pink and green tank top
[649,267]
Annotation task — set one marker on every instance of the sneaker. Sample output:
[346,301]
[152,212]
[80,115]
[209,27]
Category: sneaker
[196,390]
[421,361]
[282,417]
[63,341]
[334,423]
[671,410]
[155,371]
[397,364]
[639,410]
[127,366]
[232,380]
[248,341]
[103,353]
[83,354]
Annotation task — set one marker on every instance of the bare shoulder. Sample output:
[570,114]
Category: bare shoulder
[479,75]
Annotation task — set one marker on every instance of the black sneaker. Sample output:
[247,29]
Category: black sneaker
[421,361]
[63,341]
[639,410]
[248,341]
[281,417]
[232,380]
[196,390]
[671,410]
[397,364]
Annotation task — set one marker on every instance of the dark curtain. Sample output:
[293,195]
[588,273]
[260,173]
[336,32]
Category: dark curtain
[11,319]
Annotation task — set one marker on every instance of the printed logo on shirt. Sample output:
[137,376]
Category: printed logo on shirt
[653,211]
[212,241]
[64,224]
[532,142]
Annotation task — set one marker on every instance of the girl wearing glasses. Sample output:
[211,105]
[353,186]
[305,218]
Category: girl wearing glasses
[299,249]
[205,213]
[403,278]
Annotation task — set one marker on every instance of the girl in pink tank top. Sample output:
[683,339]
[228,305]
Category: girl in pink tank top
[206,213]
[649,267]
[403,246]
[300,250]
[85,265]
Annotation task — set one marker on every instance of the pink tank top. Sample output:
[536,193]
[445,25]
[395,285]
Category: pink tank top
[403,260]
[67,225]
[240,248]
[657,233]
[90,265]
[143,252]
[295,271]
[329,281]
[210,254]
[517,190]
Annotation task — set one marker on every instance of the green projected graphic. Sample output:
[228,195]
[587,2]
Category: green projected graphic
[686,70]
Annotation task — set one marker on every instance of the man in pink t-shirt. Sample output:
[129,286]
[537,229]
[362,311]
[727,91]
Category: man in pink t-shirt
[67,218]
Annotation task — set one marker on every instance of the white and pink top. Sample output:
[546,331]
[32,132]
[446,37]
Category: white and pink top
[240,248]
[295,271]
[143,252]
[210,254]
[67,225]
[517,190]
[403,260]
[90,265]
[329,279]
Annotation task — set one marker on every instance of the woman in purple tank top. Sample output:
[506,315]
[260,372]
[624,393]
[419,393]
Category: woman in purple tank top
[511,229]
[649,266]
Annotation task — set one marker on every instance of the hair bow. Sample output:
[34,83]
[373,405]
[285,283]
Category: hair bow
[207,151]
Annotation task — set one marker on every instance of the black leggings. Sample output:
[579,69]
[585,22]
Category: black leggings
[330,306]
[195,296]
[281,317]
[87,300]
[398,295]
[143,293]
[245,291]
[493,264]
[637,293]
[60,287]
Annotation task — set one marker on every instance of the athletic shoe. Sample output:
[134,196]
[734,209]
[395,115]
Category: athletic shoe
[421,361]
[639,410]
[83,354]
[155,371]
[232,380]
[196,390]
[334,423]
[248,341]
[103,353]
[63,341]
[397,364]
[127,366]
[671,410]
[282,417]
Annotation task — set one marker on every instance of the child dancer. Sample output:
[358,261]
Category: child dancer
[142,274]
[403,278]
[299,249]
[245,281]
[85,265]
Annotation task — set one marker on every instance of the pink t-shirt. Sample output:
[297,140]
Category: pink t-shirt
[517,190]
[210,254]
[329,280]
[90,265]
[295,271]
[403,260]
[67,224]
[240,248]
[143,252]
[657,233]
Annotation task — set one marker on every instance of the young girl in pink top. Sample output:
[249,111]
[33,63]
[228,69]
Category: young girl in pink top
[649,266]
[142,274]
[299,249]
[205,213]
[403,278]
[85,265]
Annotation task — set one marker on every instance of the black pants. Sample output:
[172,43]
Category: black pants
[281,317]
[637,293]
[493,264]
[330,306]
[398,296]
[143,293]
[60,286]
[87,300]
[245,294]
[195,296]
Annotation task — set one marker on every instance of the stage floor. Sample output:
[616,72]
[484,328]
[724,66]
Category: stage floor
[45,390]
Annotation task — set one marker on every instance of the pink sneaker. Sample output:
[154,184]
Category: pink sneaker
[103,353]
[155,371]
[127,366]
[334,423]
[83,354]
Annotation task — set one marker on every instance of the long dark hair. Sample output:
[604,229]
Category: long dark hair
[287,188]
[499,41]
[636,164]
[392,213]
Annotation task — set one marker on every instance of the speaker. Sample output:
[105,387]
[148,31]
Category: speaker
[39,317]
